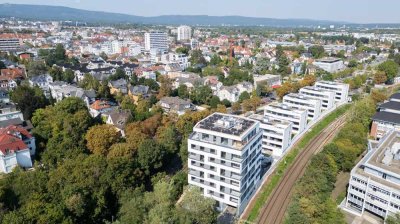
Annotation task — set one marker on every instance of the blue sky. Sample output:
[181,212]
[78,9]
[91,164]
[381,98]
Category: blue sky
[361,11]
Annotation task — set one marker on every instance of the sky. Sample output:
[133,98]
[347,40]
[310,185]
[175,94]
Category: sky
[358,11]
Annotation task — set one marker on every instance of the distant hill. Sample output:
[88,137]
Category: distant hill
[43,12]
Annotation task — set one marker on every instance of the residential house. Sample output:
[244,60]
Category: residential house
[119,119]
[139,91]
[118,86]
[176,105]
[16,147]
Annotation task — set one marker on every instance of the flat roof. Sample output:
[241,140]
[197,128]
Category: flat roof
[269,120]
[226,124]
[328,60]
[387,117]
[393,105]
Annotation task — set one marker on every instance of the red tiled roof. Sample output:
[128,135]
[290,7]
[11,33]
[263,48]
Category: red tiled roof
[9,143]
[11,73]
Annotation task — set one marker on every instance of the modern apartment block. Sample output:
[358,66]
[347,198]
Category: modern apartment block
[224,159]
[341,89]
[184,33]
[330,64]
[387,118]
[277,135]
[156,41]
[280,111]
[374,184]
[10,44]
[327,97]
[303,102]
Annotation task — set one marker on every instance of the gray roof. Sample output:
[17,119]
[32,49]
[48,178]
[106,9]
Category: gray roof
[120,118]
[391,105]
[139,90]
[175,103]
[120,83]
[387,117]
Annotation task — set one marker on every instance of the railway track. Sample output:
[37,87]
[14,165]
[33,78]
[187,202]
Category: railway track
[274,210]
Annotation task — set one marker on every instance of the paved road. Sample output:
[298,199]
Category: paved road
[274,210]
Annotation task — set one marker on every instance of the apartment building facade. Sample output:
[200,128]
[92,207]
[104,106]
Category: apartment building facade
[303,102]
[184,33]
[280,111]
[276,137]
[374,184]
[341,89]
[224,159]
[327,97]
[156,41]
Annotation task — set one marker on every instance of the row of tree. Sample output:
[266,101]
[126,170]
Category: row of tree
[312,202]
[86,173]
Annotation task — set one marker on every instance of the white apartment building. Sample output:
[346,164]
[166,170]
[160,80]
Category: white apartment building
[184,33]
[303,102]
[331,65]
[341,89]
[374,184]
[327,97]
[224,159]
[10,44]
[284,112]
[156,41]
[277,135]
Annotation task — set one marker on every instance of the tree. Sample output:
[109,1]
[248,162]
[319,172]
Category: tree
[59,53]
[214,101]
[104,56]
[36,68]
[244,96]
[167,137]
[201,94]
[197,58]
[68,76]
[393,219]
[89,82]
[390,68]
[353,63]
[119,74]
[215,60]
[150,155]
[56,73]
[195,208]
[317,51]
[100,138]
[165,88]
[182,50]
[380,77]
[183,92]
[28,99]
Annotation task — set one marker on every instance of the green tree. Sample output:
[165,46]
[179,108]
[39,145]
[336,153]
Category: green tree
[150,155]
[317,51]
[390,68]
[182,50]
[214,102]
[215,60]
[35,68]
[244,96]
[183,92]
[28,99]
[195,208]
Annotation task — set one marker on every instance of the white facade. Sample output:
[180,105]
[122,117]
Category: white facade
[327,97]
[19,158]
[277,135]
[331,65]
[184,33]
[284,112]
[156,40]
[341,89]
[374,184]
[10,44]
[224,159]
[302,102]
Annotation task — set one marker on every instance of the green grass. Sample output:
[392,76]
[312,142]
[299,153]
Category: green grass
[287,161]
